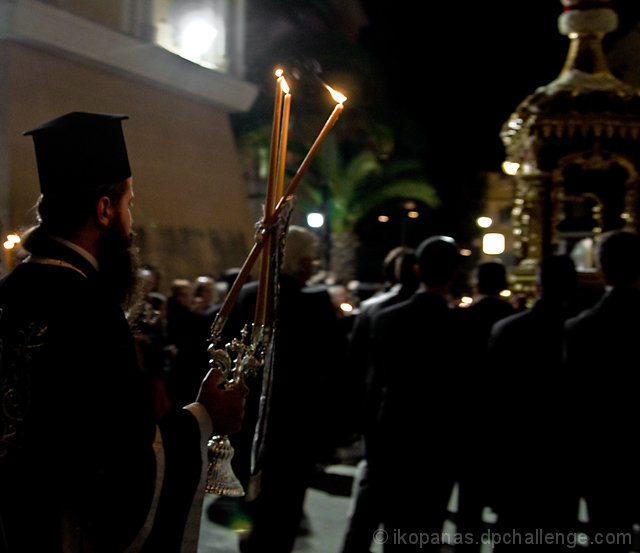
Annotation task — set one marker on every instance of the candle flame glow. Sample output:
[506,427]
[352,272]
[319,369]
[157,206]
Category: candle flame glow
[337,96]
[284,86]
[279,72]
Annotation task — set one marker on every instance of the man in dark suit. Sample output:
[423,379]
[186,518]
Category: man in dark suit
[365,512]
[302,419]
[77,420]
[475,323]
[600,351]
[414,349]
[532,476]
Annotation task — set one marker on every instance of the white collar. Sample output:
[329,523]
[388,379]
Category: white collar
[79,249]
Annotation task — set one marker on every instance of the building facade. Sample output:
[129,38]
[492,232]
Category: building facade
[191,212]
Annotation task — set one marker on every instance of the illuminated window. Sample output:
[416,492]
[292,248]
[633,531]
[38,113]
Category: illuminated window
[194,30]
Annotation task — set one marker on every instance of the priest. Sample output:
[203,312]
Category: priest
[84,464]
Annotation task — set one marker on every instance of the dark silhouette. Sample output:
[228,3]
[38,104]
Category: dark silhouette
[187,334]
[365,513]
[475,323]
[414,346]
[600,352]
[532,439]
[76,412]
[303,418]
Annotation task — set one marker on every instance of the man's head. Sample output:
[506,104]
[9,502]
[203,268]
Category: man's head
[300,254]
[399,266]
[491,278]
[619,258]
[81,157]
[86,192]
[438,261]
[557,277]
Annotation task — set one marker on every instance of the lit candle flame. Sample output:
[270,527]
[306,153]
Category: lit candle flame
[279,72]
[337,96]
[284,86]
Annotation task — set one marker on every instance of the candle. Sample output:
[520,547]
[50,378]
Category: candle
[278,150]
[8,256]
[283,140]
[264,243]
[295,181]
[275,140]
[234,291]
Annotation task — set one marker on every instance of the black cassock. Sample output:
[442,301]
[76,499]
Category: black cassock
[83,461]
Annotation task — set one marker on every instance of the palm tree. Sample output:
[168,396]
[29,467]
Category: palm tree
[349,189]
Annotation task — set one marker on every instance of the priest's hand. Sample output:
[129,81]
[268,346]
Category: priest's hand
[225,407]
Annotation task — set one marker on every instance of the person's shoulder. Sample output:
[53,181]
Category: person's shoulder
[315,294]
[45,283]
[392,311]
[583,321]
[512,322]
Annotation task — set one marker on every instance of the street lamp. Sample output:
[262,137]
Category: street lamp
[484,222]
[493,243]
[315,220]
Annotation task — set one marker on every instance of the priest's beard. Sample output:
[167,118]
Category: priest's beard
[118,260]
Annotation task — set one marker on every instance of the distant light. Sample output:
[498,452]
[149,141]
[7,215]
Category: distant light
[383,218]
[197,34]
[484,222]
[465,301]
[12,240]
[510,167]
[465,252]
[413,214]
[315,220]
[346,307]
[506,293]
[493,243]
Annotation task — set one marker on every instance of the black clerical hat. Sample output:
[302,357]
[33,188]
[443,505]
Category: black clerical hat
[80,151]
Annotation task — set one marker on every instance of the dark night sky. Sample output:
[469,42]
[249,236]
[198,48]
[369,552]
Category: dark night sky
[463,69]
[445,75]
[475,62]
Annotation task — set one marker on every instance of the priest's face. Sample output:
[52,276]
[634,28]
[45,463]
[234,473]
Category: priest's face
[117,257]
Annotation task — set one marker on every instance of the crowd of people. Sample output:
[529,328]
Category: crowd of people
[529,411]
[525,410]
[106,386]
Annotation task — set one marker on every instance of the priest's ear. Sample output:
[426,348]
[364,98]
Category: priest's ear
[105,211]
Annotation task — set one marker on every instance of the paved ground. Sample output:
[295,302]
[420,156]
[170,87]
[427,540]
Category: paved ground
[327,520]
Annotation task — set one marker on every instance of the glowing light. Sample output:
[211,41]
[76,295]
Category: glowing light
[12,240]
[506,293]
[383,218]
[315,220]
[346,307]
[337,96]
[510,167]
[465,252]
[413,214]
[196,37]
[465,301]
[493,243]
[484,222]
